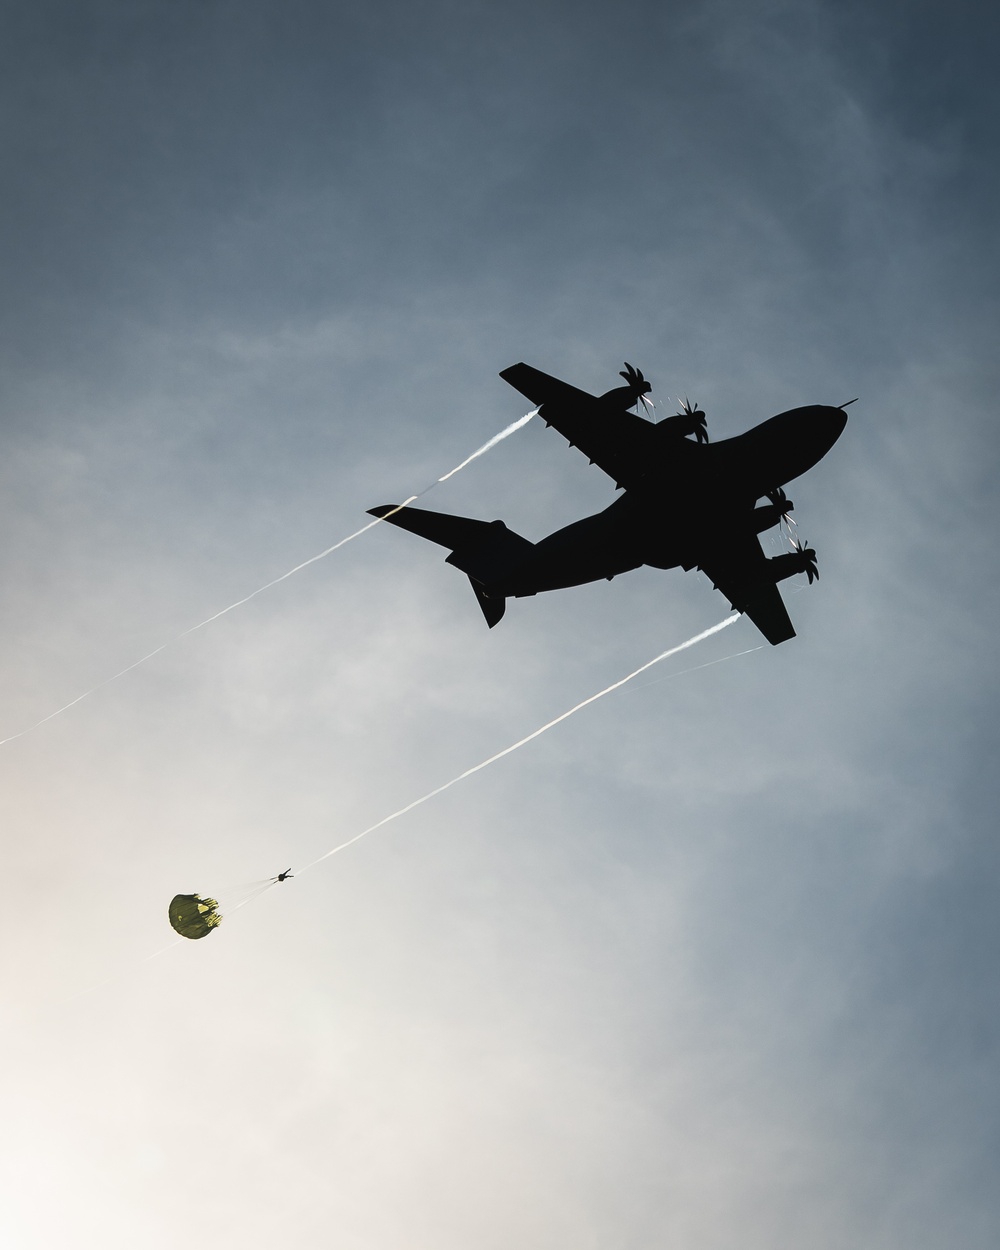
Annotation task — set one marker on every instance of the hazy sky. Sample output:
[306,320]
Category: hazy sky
[714,962]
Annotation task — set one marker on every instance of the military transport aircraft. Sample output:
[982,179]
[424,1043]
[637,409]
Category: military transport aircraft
[686,502]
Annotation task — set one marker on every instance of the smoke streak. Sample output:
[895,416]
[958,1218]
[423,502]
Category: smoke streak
[706,633]
[497,438]
[256,889]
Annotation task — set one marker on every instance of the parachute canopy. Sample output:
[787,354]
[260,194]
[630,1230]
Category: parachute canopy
[193,916]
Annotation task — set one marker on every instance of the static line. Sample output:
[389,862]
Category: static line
[706,633]
[698,667]
[132,964]
[255,891]
[497,438]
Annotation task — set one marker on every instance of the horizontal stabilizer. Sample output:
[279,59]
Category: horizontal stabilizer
[486,551]
[453,532]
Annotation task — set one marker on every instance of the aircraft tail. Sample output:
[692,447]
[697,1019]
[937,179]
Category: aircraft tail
[493,608]
[486,551]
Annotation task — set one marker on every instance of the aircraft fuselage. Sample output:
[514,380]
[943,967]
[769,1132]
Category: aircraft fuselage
[686,502]
[682,507]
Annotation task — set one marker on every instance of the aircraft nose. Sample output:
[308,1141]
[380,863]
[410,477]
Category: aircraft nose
[833,421]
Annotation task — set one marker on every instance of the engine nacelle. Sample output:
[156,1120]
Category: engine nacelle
[768,515]
[625,397]
[803,561]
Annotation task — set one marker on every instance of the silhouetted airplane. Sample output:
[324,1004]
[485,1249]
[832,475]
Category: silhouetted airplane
[687,503]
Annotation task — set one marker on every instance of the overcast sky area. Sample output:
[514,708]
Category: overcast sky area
[713,963]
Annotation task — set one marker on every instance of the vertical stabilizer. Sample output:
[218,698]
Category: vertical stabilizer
[493,609]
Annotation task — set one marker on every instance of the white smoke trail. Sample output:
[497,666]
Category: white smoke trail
[253,890]
[497,438]
[705,633]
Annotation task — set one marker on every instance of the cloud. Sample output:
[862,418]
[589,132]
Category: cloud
[709,961]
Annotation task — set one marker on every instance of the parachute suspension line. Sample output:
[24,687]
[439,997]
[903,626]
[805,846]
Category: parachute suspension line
[249,898]
[487,446]
[705,633]
[232,898]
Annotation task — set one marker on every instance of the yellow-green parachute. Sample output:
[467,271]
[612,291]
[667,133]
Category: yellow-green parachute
[193,916]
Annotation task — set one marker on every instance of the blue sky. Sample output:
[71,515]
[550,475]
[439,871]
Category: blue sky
[713,960]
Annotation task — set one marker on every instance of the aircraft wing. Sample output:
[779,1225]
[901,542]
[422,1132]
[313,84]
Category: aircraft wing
[740,572]
[621,443]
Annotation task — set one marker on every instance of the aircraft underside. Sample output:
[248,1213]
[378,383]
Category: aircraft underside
[685,503]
